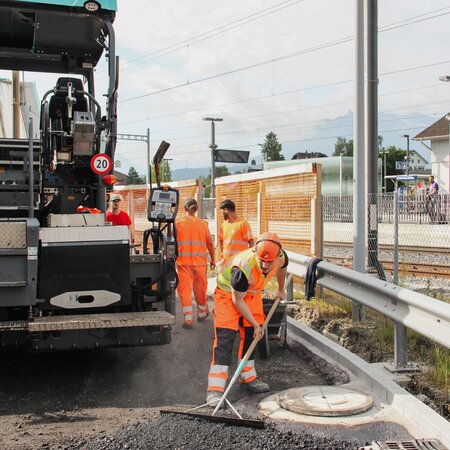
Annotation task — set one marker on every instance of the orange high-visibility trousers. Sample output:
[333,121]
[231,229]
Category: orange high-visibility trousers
[192,278]
[227,322]
[227,316]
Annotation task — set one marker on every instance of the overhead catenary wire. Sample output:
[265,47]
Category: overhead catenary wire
[259,14]
[303,127]
[423,106]
[280,58]
[266,129]
[296,141]
[208,34]
[406,69]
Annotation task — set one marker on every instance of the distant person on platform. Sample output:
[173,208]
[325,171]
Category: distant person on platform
[235,234]
[432,200]
[116,216]
[194,244]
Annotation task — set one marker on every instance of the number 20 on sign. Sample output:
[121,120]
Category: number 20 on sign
[101,164]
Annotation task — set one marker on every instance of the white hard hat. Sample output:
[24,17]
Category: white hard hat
[115,197]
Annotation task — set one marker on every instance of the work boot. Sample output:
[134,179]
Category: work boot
[256,386]
[213,398]
[202,319]
[187,325]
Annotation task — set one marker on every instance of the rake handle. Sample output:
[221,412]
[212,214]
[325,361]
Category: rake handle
[246,356]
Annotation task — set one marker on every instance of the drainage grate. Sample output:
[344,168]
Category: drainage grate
[419,444]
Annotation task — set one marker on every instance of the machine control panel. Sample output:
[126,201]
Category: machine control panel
[163,205]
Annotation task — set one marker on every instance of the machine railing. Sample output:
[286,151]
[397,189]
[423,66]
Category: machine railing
[408,309]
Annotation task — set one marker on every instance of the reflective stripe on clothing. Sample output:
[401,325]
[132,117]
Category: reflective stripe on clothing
[230,247]
[201,254]
[192,235]
[202,311]
[248,372]
[192,242]
[187,313]
[217,378]
[235,237]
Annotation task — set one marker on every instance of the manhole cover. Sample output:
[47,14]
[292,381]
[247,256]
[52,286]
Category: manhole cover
[324,401]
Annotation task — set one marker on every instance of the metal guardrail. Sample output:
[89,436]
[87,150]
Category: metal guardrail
[408,309]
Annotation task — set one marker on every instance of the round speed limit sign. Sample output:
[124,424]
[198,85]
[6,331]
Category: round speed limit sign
[101,163]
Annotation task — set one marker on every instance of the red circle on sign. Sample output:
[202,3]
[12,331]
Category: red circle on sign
[101,163]
[419,184]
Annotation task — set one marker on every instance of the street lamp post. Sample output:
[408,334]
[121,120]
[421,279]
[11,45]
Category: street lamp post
[445,78]
[407,155]
[407,171]
[383,171]
[213,148]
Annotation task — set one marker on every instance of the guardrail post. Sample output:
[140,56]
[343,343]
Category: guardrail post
[400,346]
[290,287]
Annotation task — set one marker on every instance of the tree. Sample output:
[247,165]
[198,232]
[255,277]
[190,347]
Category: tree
[343,147]
[271,148]
[222,171]
[133,177]
[164,171]
[393,154]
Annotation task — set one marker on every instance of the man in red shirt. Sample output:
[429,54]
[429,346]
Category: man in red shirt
[118,217]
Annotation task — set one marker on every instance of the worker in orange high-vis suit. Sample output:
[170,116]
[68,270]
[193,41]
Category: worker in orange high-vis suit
[194,244]
[238,307]
[235,234]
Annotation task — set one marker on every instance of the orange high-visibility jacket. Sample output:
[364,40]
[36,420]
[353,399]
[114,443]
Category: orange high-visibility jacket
[192,233]
[235,237]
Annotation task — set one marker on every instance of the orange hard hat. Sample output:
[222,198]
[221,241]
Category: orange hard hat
[268,246]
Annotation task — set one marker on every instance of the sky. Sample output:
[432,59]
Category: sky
[269,65]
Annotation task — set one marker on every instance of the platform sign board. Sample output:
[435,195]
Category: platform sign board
[400,165]
[231,156]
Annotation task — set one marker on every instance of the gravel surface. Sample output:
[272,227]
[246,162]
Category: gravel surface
[182,433]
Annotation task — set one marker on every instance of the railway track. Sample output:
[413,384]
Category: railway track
[401,248]
[415,269]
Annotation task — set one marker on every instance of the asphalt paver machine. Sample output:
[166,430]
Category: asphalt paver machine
[68,279]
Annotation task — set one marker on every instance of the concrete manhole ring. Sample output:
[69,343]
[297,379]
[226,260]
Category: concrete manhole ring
[329,401]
